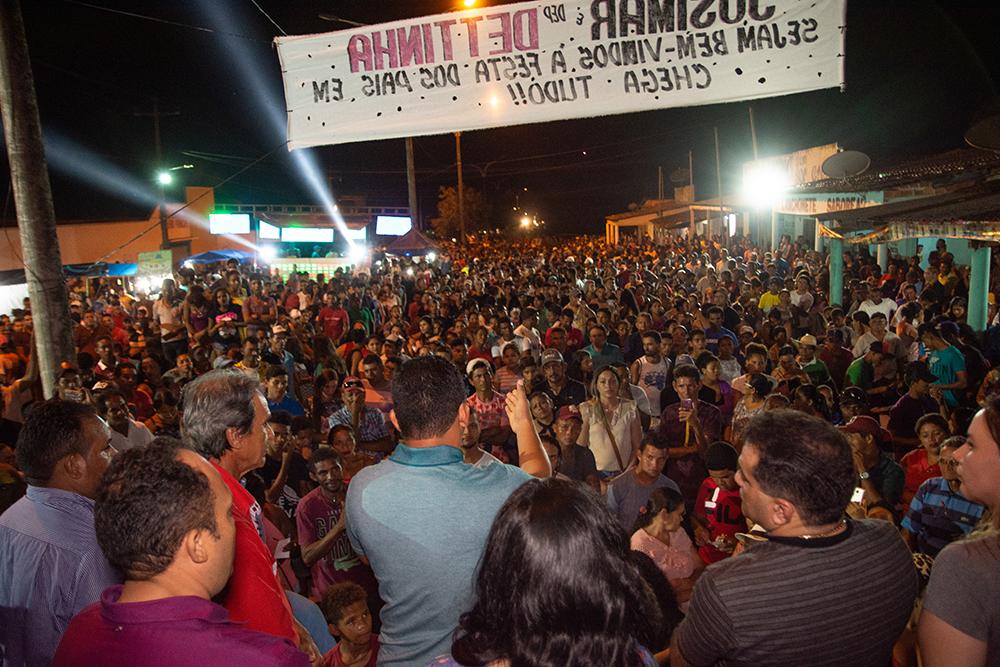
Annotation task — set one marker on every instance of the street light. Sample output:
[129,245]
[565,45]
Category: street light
[164,178]
[763,187]
[525,221]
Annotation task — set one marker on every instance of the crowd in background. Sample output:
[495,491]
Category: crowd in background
[658,379]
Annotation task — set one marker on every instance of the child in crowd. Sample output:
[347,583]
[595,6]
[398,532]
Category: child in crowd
[345,607]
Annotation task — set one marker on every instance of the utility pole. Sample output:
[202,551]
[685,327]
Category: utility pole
[36,219]
[411,184]
[461,190]
[156,113]
[718,177]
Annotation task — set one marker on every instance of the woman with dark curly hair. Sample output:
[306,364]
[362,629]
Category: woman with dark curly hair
[576,597]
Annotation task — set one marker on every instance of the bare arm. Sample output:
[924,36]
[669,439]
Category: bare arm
[942,645]
[533,459]
[311,553]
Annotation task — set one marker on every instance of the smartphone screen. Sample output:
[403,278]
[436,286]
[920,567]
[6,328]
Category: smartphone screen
[859,495]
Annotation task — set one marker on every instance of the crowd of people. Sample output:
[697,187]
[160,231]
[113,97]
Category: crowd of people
[538,452]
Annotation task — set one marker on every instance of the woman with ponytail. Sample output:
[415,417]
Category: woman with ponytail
[658,534]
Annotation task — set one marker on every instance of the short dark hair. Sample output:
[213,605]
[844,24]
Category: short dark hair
[339,597]
[52,431]
[274,371]
[652,333]
[814,470]
[337,428]
[323,454]
[282,417]
[371,359]
[755,348]
[935,418]
[687,371]
[217,401]
[102,398]
[429,392]
[147,502]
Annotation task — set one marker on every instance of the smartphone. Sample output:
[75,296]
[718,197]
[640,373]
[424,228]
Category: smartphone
[687,404]
[859,495]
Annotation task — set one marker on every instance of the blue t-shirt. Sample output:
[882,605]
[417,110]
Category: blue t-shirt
[421,517]
[288,404]
[945,364]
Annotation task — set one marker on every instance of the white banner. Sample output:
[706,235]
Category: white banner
[532,62]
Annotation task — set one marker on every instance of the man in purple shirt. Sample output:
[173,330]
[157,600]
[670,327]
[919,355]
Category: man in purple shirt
[163,516]
[51,566]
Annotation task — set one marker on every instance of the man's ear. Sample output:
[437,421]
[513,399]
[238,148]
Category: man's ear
[74,465]
[782,511]
[195,546]
[234,437]
[392,418]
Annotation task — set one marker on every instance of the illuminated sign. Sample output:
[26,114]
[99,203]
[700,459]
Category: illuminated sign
[306,235]
[229,223]
[356,234]
[392,225]
[268,231]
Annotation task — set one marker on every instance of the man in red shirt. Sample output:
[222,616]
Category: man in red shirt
[333,319]
[718,515]
[321,529]
[224,419]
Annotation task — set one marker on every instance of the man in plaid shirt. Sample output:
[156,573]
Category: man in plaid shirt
[369,423]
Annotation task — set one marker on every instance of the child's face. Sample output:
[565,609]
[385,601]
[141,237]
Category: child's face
[355,624]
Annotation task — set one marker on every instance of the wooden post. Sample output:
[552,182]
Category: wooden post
[36,219]
[461,190]
[411,184]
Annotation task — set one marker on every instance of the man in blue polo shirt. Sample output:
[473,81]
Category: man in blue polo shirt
[939,514]
[600,350]
[421,517]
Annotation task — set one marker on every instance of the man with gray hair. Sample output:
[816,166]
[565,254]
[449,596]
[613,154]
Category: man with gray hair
[225,419]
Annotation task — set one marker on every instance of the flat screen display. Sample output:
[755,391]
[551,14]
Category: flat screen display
[392,225]
[306,235]
[356,234]
[268,231]
[229,223]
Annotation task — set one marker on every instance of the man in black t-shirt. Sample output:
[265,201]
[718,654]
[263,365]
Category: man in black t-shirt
[564,390]
[284,477]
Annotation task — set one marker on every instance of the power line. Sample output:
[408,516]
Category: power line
[155,19]
[266,15]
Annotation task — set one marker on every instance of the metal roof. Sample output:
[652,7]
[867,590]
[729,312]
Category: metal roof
[954,165]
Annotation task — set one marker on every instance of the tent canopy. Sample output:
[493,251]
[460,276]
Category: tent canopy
[412,243]
[223,255]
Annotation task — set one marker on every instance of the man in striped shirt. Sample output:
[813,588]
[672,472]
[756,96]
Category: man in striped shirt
[939,514]
[822,589]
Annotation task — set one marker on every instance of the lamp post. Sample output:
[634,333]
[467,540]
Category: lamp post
[163,179]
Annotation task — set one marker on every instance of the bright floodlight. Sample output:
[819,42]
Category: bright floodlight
[469,3]
[431,256]
[764,185]
[409,271]
[525,221]
[357,253]
[267,253]
[164,178]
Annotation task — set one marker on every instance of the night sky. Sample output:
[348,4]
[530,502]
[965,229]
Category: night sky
[917,73]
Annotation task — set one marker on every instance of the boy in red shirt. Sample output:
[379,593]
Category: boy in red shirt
[718,514]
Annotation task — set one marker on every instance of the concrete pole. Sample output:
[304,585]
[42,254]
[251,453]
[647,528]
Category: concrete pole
[774,230]
[411,184]
[979,287]
[461,190]
[882,254]
[36,219]
[837,271]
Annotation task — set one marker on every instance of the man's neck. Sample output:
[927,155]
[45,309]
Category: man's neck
[485,394]
[644,478]
[333,497]
[121,428]
[797,528]
[161,588]
[472,455]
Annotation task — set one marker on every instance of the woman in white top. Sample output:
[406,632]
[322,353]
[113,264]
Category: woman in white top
[611,426]
[659,535]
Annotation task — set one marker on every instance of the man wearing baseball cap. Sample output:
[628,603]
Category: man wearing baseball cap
[564,390]
[861,372]
[881,478]
[912,405]
[816,370]
[946,362]
[576,462]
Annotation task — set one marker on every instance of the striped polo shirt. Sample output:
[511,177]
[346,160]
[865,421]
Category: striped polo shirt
[839,600]
[938,516]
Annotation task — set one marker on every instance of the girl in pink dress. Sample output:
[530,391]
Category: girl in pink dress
[659,535]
